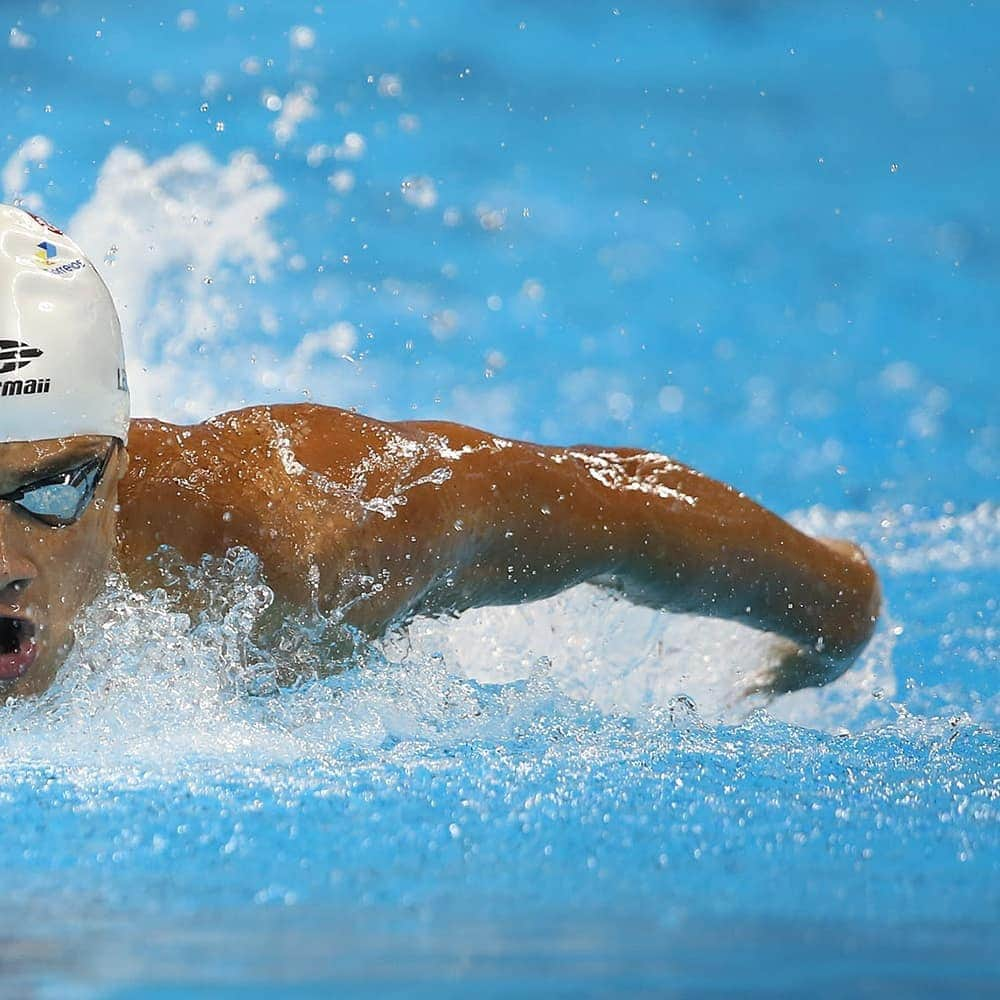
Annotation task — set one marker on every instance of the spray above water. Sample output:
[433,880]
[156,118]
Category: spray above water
[235,680]
[225,675]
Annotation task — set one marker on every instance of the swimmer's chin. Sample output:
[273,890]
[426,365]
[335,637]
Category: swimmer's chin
[42,672]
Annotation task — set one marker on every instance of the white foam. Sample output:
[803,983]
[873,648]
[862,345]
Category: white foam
[916,540]
[20,170]
[188,245]
[176,240]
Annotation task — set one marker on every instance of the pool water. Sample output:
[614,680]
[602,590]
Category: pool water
[757,237]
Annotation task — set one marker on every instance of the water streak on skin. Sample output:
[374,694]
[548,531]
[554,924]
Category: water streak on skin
[607,468]
[399,454]
[282,444]
[443,447]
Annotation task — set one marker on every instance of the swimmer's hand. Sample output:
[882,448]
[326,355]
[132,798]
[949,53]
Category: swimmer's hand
[796,665]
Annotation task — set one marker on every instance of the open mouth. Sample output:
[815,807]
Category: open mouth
[18,647]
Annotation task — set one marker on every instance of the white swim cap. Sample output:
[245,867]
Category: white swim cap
[62,366]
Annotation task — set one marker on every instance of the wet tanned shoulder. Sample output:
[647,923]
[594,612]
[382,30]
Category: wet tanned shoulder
[285,481]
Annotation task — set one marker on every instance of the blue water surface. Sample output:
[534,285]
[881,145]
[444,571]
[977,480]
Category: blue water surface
[760,237]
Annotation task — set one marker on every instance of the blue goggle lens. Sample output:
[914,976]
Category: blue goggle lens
[61,499]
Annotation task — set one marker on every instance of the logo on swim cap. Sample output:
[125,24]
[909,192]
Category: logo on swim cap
[46,253]
[14,355]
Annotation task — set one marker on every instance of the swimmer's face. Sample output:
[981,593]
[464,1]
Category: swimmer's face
[49,569]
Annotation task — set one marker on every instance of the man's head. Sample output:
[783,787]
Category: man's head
[64,410]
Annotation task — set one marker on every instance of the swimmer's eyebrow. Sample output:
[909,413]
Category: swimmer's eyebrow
[51,466]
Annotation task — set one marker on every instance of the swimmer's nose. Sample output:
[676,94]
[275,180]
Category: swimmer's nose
[16,573]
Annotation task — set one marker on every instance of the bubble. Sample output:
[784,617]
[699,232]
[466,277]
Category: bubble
[421,192]
[390,85]
[317,153]
[671,399]
[444,324]
[899,376]
[620,405]
[352,147]
[342,181]
[302,37]
[18,39]
[533,290]
[490,218]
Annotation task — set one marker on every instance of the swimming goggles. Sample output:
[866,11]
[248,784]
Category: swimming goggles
[62,498]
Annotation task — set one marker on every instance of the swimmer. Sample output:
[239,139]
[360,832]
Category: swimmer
[378,521]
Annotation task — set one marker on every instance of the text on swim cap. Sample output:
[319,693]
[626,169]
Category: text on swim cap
[25,386]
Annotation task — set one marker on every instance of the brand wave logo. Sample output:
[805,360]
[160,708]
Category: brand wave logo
[46,253]
[14,355]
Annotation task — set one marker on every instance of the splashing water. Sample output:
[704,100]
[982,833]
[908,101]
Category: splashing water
[538,754]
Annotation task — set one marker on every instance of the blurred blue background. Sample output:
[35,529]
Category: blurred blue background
[758,236]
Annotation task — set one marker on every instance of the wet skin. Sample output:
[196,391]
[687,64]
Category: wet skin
[388,521]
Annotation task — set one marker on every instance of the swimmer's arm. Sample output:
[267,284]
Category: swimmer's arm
[486,521]
[521,521]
